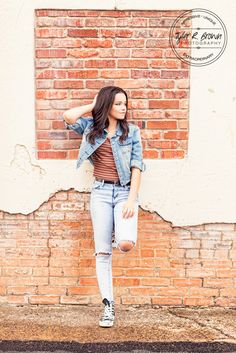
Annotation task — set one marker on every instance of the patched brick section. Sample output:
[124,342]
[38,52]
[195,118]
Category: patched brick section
[47,258]
[77,52]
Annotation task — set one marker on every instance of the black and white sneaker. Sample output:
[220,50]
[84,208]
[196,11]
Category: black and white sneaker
[108,315]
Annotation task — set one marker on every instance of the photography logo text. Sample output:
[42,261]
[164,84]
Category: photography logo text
[198,37]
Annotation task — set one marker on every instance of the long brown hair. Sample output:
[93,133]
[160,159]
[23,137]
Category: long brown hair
[104,102]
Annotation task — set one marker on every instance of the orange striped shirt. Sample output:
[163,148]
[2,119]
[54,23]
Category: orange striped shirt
[104,164]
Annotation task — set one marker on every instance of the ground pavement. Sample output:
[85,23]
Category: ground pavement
[74,328]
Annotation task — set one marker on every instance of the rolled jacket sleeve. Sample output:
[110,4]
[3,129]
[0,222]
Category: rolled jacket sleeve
[79,126]
[137,151]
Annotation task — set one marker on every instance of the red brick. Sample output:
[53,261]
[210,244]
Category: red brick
[138,300]
[163,104]
[226,302]
[83,74]
[203,292]
[147,253]
[53,13]
[146,53]
[175,74]
[159,282]
[198,301]
[150,154]
[83,281]
[95,43]
[49,74]
[144,291]
[165,124]
[165,63]
[50,32]
[100,63]
[178,135]
[82,32]
[187,282]
[145,74]
[14,299]
[132,63]
[123,33]
[115,73]
[126,281]
[50,290]
[52,155]
[157,43]
[166,301]
[129,43]
[20,290]
[83,290]
[53,53]
[74,300]
[82,13]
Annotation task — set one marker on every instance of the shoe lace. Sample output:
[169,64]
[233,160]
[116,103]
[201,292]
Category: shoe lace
[109,312]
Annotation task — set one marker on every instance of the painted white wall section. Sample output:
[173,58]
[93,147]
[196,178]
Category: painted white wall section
[198,189]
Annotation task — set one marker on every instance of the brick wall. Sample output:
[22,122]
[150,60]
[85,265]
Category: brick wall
[47,258]
[78,52]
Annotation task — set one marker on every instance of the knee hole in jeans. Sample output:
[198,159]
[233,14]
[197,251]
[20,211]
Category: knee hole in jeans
[126,246]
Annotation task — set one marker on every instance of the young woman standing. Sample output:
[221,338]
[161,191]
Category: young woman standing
[114,148]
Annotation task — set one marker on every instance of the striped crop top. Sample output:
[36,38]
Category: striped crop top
[104,164]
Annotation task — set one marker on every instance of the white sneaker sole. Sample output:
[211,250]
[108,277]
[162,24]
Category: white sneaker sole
[105,324]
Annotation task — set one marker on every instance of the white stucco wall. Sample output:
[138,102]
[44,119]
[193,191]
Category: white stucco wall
[198,189]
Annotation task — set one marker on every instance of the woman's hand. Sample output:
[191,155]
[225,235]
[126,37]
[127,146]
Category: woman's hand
[128,209]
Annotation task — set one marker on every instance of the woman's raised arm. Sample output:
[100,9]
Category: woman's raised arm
[71,115]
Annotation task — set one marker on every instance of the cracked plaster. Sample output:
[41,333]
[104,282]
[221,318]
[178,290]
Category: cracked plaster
[197,189]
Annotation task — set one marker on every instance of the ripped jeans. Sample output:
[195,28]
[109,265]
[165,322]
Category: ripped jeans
[106,204]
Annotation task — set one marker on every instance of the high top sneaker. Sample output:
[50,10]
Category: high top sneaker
[108,315]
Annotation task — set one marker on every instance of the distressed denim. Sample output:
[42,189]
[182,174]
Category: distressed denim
[127,154]
[106,204]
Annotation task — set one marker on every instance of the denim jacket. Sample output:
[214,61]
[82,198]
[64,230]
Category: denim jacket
[127,154]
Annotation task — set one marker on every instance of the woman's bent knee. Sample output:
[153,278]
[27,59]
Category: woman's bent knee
[126,246]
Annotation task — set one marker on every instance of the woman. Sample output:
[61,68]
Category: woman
[113,146]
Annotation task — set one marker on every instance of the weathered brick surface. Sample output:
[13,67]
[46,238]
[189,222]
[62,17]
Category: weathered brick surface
[46,257]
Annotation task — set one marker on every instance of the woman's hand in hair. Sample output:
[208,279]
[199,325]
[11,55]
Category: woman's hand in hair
[128,208]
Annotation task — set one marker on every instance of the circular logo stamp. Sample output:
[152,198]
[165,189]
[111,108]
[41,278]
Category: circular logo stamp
[198,37]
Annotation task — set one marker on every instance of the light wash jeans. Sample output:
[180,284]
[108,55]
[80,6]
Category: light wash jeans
[106,204]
